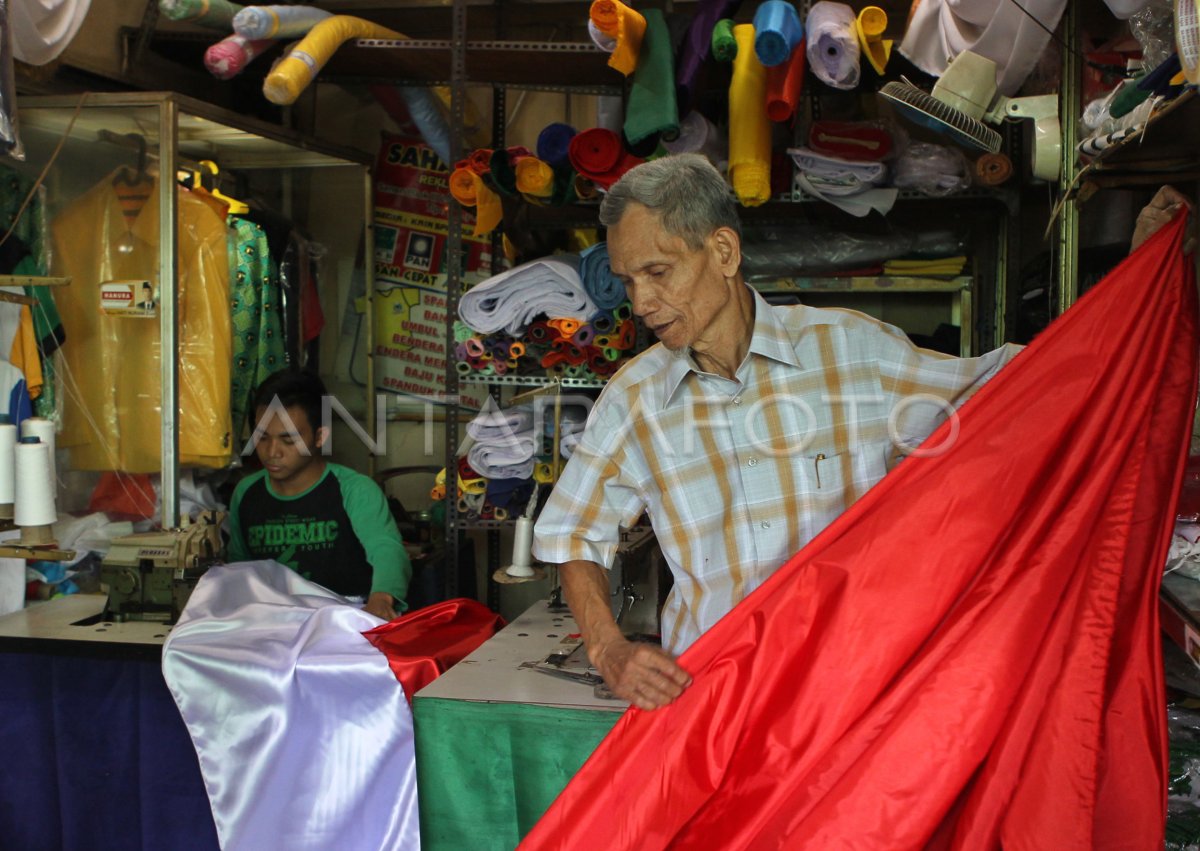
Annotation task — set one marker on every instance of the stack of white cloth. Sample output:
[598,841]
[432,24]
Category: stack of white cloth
[852,185]
[570,430]
[504,443]
[511,300]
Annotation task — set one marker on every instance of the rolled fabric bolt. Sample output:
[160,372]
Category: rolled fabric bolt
[604,341]
[502,170]
[538,331]
[218,14]
[516,349]
[749,128]
[604,288]
[460,351]
[277,21]
[602,40]
[698,135]
[437,493]
[696,46]
[543,473]
[651,111]
[500,513]
[832,44]
[292,74]
[600,156]
[553,142]
[623,311]
[724,45]
[512,363]
[480,161]
[230,56]
[463,508]
[535,177]
[993,169]
[777,31]
[500,367]
[627,335]
[462,331]
[611,353]
[584,336]
[565,326]
[463,367]
[603,322]
[585,189]
[475,347]
[784,85]
[617,20]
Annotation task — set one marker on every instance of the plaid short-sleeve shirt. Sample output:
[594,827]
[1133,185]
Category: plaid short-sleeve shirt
[737,475]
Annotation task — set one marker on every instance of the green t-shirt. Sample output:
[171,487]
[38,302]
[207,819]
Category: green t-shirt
[339,533]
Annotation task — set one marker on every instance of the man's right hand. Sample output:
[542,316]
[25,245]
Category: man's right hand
[645,675]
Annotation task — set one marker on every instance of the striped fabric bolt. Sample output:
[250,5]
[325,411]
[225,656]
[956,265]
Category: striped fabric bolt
[736,476]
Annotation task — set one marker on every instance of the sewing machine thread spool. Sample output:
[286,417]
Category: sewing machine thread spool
[522,549]
[33,508]
[44,430]
[8,460]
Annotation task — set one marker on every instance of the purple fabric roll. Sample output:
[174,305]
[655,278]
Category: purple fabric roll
[696,46]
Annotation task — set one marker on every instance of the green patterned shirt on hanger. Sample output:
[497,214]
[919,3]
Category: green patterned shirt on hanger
[258,348]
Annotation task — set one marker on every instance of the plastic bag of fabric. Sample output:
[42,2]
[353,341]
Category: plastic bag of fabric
[10,141]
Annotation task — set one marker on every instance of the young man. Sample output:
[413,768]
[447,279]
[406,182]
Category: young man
[323,520]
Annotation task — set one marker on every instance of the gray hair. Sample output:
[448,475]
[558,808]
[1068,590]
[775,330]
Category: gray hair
[690,196]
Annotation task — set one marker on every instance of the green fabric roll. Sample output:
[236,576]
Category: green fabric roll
[487,771]
[504,176]
[724,45]
[564,187]
[1129,98]
[652,107]
[217,14]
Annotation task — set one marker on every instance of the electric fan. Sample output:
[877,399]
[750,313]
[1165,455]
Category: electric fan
[966,96]
[1187,38]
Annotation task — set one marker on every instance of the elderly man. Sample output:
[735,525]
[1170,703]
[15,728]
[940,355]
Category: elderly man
[742,436]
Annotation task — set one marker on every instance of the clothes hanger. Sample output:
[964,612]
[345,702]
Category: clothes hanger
[124,175]
[236,207]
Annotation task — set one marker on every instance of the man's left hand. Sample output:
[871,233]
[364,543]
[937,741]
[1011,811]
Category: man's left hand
[381,605]
[1163,207]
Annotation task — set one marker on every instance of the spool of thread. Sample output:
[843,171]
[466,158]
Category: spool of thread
[522,549]
[8,459]
[34,503]
[44,430]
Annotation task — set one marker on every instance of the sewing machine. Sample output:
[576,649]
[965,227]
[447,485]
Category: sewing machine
[151,575]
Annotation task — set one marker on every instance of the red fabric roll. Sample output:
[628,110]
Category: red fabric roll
[422,645]
[599,155]
[969,657]
[480,161]
[784,84]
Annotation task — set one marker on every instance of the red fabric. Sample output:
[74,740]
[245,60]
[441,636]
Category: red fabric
[784,84]
[424,644]
[124,496]
[312,316]
[969,657]
[600,156]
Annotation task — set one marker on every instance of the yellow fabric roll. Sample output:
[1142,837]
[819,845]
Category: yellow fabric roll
[543,473]
[296,70]
[475,486]
[534,177]
[749,127]
[614,18]
[468,189]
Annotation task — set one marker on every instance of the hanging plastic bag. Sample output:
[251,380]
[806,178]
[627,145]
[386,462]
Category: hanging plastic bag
[10,141]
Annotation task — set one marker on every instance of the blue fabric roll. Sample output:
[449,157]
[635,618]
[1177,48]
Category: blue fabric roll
[777,31]
[602,286]
[553,142]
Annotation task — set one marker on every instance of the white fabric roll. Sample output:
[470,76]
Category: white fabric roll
[42,29]
[941,29]
[511,300]
[511,459]
[700,136]
[832,48]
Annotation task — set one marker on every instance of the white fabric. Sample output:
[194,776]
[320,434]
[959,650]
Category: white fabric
[507,459]
[850,185]
[832,44]
[42,29]
[602,40]
[494,423]
[511,300]
[939,30]
[304,735]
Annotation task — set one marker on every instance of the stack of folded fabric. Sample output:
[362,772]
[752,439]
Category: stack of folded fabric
[570,430]
[505,443]
[852,185]
[510,301]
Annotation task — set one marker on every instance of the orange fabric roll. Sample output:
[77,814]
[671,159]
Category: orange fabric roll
[468,189]
[784,84]
[614,18]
